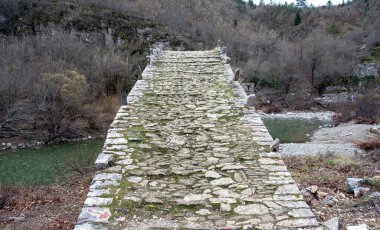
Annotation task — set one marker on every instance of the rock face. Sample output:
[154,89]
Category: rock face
[187,153]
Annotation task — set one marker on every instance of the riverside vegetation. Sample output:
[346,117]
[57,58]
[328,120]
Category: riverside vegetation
[64,66]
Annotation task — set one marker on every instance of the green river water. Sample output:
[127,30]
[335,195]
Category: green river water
[293,130]
[47,165]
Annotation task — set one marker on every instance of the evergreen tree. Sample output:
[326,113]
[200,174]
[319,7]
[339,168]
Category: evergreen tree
[250,3]
[297,19]
[261,3]
[301,3]
[329,4]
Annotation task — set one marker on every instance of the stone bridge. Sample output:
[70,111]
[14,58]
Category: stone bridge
[187,153]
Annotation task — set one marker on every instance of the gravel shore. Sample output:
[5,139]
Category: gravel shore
[337,140]
[326,115]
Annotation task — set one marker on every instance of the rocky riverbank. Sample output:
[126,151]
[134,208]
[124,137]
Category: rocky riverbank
[342,139]
[322,115]
[14,145]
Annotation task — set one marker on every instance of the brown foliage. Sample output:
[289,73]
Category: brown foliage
[50,85]
[370,145]
[54,207]
[365,110]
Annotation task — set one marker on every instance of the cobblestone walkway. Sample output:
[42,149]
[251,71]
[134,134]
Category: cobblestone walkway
[187,154]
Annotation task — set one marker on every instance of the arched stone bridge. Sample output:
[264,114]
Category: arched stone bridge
[186,153]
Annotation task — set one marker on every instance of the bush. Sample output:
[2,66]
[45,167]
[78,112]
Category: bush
[49,79]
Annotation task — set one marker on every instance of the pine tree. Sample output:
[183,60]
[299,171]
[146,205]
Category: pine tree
[301,3]
[297,19]
[261,3]
[250,3]
[329,4]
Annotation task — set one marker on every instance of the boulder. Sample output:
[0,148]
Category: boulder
[329,201]
[313,189]
[360,191]
[321,194]
[307,195]
[252,100]
[17,219]
[375,195]
[351,183]
[375,130]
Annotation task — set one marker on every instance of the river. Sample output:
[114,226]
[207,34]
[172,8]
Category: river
[47,165]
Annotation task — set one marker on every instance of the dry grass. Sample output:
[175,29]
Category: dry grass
[329,172]
[370,145]
[100,113]
[53,207]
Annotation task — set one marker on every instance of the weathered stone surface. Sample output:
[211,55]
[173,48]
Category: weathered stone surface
[287,189]
[225,207]
[90,214]
[203,212]
[332,224]
[212,174]
[134,179]
[301,213]
[222,181]
[358,227]
[95,201]
[107,176]
[329,201]
[186,153]
[252,100]
[103,161]
[98,192]
[88,226]
[275,146]
[252,209]
[360,191]
[298,223]
[153,200]
[223,200]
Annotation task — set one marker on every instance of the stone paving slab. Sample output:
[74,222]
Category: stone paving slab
[186,153]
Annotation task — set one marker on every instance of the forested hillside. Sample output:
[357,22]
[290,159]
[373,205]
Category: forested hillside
[64,64]
[291,53]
